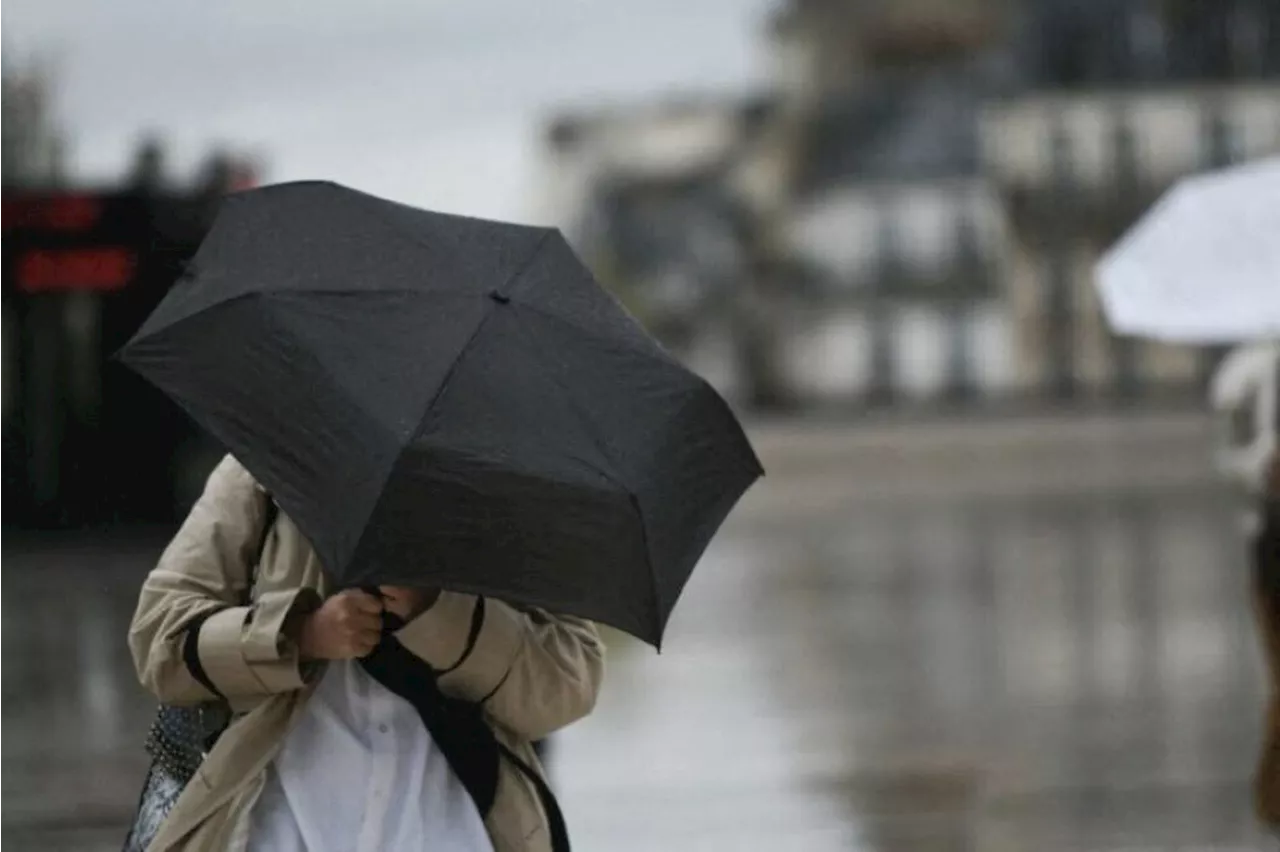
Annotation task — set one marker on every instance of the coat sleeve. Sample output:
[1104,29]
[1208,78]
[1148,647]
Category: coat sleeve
[534,672]
[192,638]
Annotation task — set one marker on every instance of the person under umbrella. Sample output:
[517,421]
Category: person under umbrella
[1201,267]
[1246,396]
[325,754]
[450,453]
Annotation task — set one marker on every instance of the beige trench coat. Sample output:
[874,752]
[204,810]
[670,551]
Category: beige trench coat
[534,672]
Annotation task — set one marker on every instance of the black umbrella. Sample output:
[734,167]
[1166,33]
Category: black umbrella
[438,400]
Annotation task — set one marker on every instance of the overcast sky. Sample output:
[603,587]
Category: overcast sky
[434,103]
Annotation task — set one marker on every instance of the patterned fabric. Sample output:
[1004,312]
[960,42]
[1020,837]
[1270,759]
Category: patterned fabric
[180,737]
[159,793]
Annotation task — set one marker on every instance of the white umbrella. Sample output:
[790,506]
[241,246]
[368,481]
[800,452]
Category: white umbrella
[1203,266]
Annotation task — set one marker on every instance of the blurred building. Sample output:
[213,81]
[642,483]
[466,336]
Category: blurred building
[882,202]
[912,209]
[83,265]
[903,300]
[1116,101]
[823,48]
[1086,44]
[826,241]
[663,140]
[32,154]
[32,147]
[649,196]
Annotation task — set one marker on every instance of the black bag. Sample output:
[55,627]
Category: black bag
[178,741]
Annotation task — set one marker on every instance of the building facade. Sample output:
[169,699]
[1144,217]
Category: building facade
[1118,101]
[912,211]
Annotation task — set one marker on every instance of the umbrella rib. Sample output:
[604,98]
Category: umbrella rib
[564,391]
[657,353]
[586,421]
[375,211]
[448,376]
[275,294]
[283,329]
[475,333]
[358,291]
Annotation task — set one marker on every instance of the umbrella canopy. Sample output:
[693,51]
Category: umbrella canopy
[1203,266]
[439,400]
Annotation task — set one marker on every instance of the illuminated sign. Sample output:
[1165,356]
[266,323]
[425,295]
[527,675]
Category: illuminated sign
[59,270]
[54,213]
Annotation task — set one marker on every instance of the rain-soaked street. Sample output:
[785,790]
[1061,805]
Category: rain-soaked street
[1031,634]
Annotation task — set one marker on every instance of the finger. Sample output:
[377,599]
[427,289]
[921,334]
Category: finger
[363,628]
[351,613]
[365,602]
[365,631]
[397,601]
[361,642]
[352,623]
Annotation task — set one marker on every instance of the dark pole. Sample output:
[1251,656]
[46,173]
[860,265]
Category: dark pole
[44,409]
[1125,380]
[887,274]
[1060,322]
[972,278]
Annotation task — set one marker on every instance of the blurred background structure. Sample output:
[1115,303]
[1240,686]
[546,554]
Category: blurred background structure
[909,211]
[84,264]
[33,147]
[990,596]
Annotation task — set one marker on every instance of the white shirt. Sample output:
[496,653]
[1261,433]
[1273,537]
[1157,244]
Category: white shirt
[361,773]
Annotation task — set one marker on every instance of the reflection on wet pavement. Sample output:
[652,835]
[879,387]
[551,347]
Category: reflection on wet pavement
[1068,673]
[1018,670]
[74,717]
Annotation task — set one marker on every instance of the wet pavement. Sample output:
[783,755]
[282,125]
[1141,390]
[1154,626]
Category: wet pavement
[1034,636]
